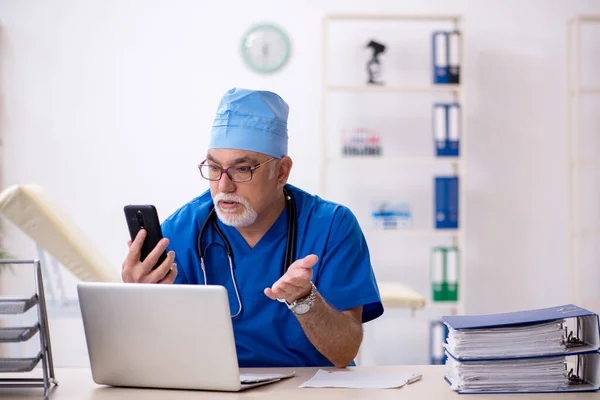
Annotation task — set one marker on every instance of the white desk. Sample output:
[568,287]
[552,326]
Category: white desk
[77,384]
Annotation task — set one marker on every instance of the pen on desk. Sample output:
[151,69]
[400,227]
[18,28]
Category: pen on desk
[414,379]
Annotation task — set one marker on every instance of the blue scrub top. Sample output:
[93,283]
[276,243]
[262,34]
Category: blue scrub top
[267,334]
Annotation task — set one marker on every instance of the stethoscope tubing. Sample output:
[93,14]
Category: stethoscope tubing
[290,248]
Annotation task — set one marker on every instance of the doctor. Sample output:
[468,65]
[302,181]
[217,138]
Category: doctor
[296,267]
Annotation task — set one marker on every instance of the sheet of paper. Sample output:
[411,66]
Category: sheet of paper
[356,380]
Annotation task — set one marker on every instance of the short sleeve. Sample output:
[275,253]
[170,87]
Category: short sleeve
[166,231]
[345,276]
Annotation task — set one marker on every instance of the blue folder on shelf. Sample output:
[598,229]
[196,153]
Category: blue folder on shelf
[440,58]
[446,129]
[446,206]
[437,333]
[580,342]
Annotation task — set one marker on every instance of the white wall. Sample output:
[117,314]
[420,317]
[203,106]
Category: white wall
[110,102]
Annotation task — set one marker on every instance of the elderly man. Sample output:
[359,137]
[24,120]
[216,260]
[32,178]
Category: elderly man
[296,267]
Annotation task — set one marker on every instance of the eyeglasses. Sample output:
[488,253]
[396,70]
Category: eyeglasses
[241,173]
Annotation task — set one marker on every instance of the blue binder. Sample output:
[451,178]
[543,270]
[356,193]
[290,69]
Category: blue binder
[438,331]
[454,129]
[586,379]
[583,343]
[588,323]
[440,58]
[446,202]
[446,129]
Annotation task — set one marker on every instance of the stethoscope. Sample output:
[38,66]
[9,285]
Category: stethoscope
[290,248]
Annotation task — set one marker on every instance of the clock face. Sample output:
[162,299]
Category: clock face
[265,48]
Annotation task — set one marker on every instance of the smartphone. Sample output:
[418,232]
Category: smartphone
[146,217]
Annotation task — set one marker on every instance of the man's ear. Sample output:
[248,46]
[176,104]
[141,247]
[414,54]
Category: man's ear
[285,167]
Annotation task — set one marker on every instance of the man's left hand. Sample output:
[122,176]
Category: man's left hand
[295,283]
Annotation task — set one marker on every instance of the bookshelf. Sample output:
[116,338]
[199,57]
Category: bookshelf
[583,161]
[332,159]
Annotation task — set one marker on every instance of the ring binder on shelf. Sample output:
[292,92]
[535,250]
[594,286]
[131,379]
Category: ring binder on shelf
[438,271]
[454,48]
[437,332]
[452,267]
[453,138]
[444,274]
[446,55]
[441,73]
[446,129]
[440,129]
[446,202]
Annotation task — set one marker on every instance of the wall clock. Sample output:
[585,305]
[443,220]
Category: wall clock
[265,48]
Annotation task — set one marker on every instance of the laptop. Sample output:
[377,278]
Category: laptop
[162,336]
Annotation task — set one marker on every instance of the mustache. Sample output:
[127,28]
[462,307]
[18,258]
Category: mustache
[230,197]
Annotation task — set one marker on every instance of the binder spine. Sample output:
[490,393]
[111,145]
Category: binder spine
[454,128]
[438,272]
[441,73]
[438,331]
[454,55]
[452,273]
[440,129]
[446,129]
[446,202]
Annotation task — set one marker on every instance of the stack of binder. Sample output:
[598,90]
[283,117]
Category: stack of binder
[546,350]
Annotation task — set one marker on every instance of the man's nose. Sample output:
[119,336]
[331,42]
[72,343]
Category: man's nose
[226,185]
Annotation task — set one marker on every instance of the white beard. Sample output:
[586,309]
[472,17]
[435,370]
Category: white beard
[231,218]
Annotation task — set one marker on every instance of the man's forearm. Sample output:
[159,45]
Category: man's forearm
[335,334]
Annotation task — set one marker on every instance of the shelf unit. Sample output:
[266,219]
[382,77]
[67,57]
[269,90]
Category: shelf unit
[577,164]
[454,164]
[19,334]
[457,164]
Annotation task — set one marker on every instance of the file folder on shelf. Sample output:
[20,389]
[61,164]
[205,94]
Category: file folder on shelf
[446,202]
[444,274]
[446,129]
[441,73]
[522,351]
[437,332]
[438,272]
[454,49]
[446,55]
[453,135]
[452,268]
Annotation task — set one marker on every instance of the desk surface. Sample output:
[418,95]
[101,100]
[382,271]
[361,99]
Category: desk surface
[77,384]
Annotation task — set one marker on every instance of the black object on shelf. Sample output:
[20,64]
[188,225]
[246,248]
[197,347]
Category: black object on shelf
[374,65]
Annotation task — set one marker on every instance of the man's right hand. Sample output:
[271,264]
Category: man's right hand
[136,271]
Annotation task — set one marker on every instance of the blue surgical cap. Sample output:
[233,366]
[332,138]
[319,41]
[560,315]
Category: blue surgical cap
[251,120]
